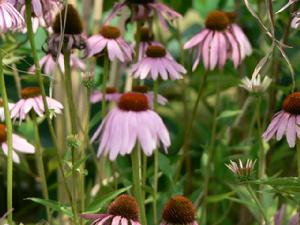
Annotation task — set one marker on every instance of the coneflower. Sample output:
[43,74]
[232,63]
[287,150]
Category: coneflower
[10,105]
[11,19]
[179,211]
[71,33]
[18,144]
[286,122]
[111,94]
[122,211]
[111,42]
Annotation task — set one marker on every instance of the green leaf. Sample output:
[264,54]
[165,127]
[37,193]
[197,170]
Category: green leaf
[220,197]
[56,206]
[101,201]
[229,113]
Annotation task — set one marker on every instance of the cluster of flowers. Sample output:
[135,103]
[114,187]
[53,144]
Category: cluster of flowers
[124,211]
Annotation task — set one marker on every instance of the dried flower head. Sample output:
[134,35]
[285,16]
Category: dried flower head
[243,172]
[256,85]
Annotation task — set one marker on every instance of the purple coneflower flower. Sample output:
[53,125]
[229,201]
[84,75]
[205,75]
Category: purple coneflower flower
[286,122]
[2,114]
[72,34]
[296,20]
[280,220]
[32,100]
[111,94]
[143,9]
[218,42]
[179,211]
[147,39]
[48,64]
[122,211]
[109,41]
[130,122]
[150,95]
[18,144]
[11,19]
[157,62]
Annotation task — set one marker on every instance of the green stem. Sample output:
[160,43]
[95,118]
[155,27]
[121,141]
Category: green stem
[9,143]
[156,161]
[40,164]
[104,82]
[73,119]
[210,154]
[298,157]
[188,131]
[258,203]
[43,92]
[136,178]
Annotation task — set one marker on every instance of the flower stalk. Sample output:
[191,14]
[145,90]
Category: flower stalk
[8,124]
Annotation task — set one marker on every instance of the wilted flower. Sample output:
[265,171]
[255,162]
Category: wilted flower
[243,172]
[255,85]
[130,122]
[179,211]
[221,40]
[48,64]
[2,114]
[122,211]
[111,94]
[296,20]
[157,63]
[18,144]
[286,122]
[71,34]
[109,41]
[32,100]
[11,19]
[144,9]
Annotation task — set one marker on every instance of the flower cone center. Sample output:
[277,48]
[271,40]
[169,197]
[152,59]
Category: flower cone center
[217,20]
[73,21]
[110,32]
[291,103]
[231,16]
[3,133]
[30,92]
[146,35]
[133,102]
[155,51]
[124,206]
[111,90]
[179,210]
[1,103]
[140,89]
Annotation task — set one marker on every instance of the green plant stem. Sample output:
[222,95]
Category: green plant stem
[298,157]
[104,82]
[189,128]
[156,161]
[258,203]
[43,92]
[136,178]
[73,119]
[40,164]
[210,154]
[9,143]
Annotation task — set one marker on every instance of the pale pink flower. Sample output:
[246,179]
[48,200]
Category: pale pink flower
[110,41]
[48,64]
[32,100]
[130,123]
[286,122]
[143,10]
[296,20]
[2,114]
[219,41]
[122,211]
[11,19]
[179,211]
[19,144]
[111,94]
[157,63]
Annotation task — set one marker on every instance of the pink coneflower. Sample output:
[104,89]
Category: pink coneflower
[109,41]
[147,39]
[179,211]
[131,122]
[286,122]
[150,95]
[11,19]
[145,9]
[48,64]
[122,211]
[218,42]
[32,100]
[111,94]
[296,20]
[2,114]
[18,144]
[157,62]
[72,34]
